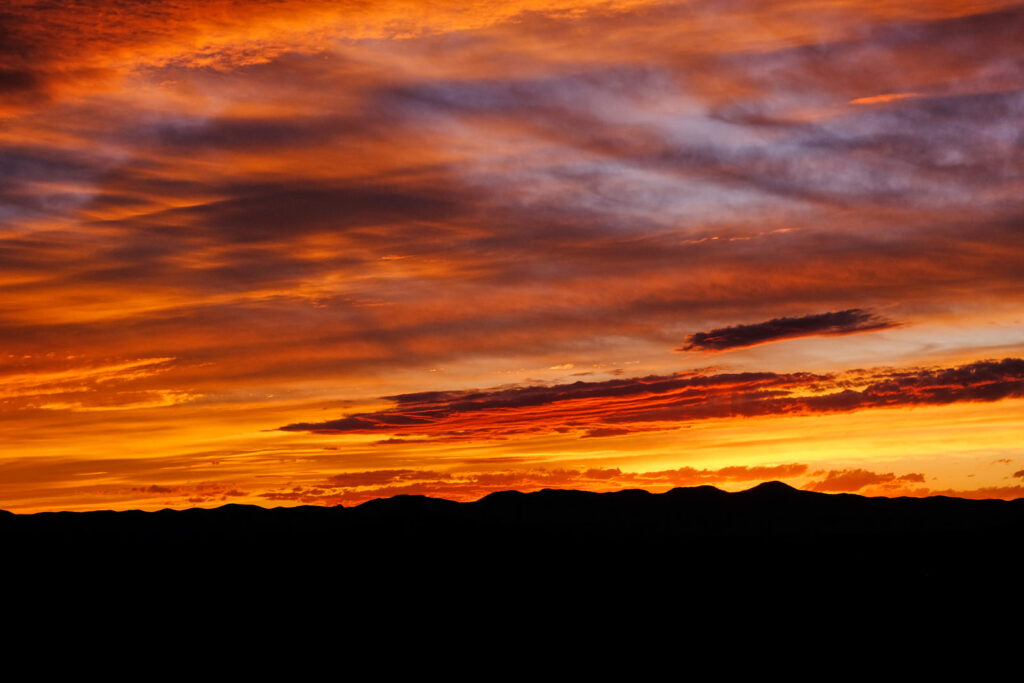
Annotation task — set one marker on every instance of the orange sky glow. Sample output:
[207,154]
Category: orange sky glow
[306,252]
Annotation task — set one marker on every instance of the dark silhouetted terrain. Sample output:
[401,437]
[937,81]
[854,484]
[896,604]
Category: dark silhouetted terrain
[769,536]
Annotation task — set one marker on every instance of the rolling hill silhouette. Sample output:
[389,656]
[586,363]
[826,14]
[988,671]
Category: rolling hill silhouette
[770,534]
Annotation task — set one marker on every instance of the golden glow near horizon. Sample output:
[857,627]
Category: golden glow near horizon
[311,252]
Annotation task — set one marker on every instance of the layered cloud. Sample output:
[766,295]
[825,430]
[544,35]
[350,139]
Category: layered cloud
[302,200]
[345,193]
[619,406]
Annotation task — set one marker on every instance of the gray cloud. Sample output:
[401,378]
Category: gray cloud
[839,323]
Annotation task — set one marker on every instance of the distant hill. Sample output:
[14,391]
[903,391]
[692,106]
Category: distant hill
[771,532]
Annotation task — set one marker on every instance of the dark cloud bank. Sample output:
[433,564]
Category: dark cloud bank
[662,402]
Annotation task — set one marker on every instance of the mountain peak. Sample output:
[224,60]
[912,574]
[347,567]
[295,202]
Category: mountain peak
[773,490]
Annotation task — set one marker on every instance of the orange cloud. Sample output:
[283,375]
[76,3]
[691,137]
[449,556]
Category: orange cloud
[856,479]
[983,493]
[202,492]
[883,98]
[302,200]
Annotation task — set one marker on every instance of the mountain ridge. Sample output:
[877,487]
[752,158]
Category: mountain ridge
[527,540]
[765,491]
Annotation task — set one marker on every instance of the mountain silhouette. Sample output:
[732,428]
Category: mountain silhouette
[771,534]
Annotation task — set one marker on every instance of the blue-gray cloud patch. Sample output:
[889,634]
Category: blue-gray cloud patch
[850,321]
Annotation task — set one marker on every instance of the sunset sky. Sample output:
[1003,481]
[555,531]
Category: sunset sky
[302,252]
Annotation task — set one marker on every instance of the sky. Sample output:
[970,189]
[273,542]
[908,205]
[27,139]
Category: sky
[303,252]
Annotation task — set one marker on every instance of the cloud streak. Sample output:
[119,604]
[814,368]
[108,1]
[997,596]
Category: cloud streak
[616,407]
[850,321]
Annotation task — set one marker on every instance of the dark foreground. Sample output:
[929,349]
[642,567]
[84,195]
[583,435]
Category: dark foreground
[771,535]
